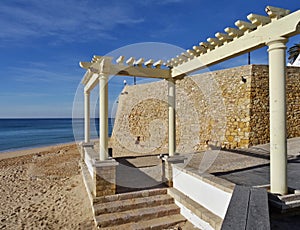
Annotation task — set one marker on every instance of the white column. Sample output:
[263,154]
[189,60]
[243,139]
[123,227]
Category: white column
[172,116]
[103,116]
[86,117]
[277,89]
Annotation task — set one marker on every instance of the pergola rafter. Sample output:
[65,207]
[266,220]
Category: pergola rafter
[133,68]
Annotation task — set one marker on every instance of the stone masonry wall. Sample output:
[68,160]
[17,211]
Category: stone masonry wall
[259,112]
[226,108]
[141,124]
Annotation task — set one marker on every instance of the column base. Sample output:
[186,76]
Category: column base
[167,167]
[104,177]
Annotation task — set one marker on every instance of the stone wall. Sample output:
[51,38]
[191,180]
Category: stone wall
[141,124]
[259,112]
[226,108]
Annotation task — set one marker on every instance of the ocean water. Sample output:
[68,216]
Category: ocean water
[29,133]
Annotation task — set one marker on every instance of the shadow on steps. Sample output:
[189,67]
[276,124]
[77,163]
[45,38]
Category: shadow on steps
[136,177]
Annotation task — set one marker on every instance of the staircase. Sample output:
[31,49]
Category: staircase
[148,209]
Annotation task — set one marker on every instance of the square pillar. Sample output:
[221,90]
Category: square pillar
[104,177]
[83,146]
[167,163]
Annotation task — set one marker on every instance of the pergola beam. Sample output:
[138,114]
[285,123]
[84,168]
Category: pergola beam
[140,71]
[122,70]
[289,26]
[148,69]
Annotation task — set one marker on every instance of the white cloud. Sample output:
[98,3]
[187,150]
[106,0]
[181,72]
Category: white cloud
[24,94]
[34,75]
[66,20]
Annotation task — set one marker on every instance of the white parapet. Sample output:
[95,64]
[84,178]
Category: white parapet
[211,197]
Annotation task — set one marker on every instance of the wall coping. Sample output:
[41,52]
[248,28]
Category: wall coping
[217,182]
[106,163]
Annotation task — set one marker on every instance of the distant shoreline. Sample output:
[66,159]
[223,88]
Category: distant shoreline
[35,147]
[33,150]
[38,149]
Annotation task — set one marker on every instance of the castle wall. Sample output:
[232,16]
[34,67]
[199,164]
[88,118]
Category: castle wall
[259,112]
[226,108]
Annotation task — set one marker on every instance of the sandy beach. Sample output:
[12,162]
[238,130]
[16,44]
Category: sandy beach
[42,188]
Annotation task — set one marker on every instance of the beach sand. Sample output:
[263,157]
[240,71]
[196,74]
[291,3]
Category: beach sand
[42,188]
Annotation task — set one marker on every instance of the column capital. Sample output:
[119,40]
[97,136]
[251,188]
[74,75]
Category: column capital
[171,79]
[103,76]
[105,64]
[277,43]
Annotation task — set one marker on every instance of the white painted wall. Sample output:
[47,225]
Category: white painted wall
[88,161]
[210,197]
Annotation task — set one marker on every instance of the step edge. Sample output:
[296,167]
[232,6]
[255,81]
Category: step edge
[130,195]
[102,209]
[134,225]
[200,211]
[169,223]
[165,208]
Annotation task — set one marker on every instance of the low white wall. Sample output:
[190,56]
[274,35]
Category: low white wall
[88,160]
[210,197]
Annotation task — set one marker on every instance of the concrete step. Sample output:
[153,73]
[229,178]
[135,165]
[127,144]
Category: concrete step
[290,197]
[130,204]
[201,212]
[292,204]
[285,203]
[135,215]
[165,222]
[130,195]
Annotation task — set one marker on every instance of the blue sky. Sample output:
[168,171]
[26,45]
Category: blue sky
[42,41]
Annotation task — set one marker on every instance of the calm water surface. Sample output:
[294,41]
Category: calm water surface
[29,133]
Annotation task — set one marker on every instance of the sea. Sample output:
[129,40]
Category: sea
[17,134]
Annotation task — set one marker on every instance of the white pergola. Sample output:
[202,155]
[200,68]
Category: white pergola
[272,31]
[98,72]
